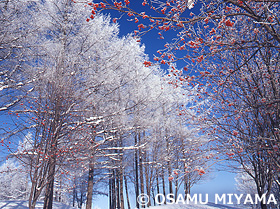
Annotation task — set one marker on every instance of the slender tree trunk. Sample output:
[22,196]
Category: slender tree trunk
[121,174]
[114,201]
[141,168]
[91,172]
[81,202]
[148,185]
[121,189]
[169,174]
[263,205]
[74,195]
[186,186]
[118,188]
[111,191]
[141,176]
[126,192]
[169,170]
[163,184]
[153,196]
[157,180]
[136,171]
[176,179]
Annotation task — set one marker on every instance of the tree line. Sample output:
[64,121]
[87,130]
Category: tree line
[83,109]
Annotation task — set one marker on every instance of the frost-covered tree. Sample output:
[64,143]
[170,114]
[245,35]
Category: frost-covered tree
[16,44]
[14,182]
[55,105]
[245,184]
[92,103]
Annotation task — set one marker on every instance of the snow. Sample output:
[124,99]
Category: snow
[194,206]
[22,204]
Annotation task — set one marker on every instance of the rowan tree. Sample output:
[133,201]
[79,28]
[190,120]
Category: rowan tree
[209,33]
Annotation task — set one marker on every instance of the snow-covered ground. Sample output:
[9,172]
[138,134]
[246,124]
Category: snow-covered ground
[22,204]
[194,206]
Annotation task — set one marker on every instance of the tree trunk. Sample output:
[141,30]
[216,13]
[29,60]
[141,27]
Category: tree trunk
[118,189]
[163,184]
[169,165]
[90,184]
[120,173]
[141,174]
[91,172]
[81,202]
[110,193]
[187,187]
[114,201]
[148,185]
[31,197]
[141,168]
[49,187]
[33,193]
[126,192]
[55,129]
[170,174]
[74,195]
[121,189]
[263,205]
[136,171]
[153,197]
[157,180]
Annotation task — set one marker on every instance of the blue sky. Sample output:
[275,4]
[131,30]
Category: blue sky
[151,40]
